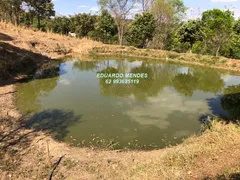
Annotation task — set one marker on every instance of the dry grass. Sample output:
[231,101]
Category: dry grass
[214,153]
[46,43]
[23,50]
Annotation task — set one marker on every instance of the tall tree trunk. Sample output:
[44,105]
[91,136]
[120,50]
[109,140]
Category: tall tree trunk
[39,21]
[218,48]
[143,5]
[120,35]
[15,19]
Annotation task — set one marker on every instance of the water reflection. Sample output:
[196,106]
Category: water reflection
[159,110]
[43,83]
[159,76]
[168,103]
[185,84]
[84,65]
[230,101]
[208,80]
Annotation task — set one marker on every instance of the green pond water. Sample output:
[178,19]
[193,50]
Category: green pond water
[168,104]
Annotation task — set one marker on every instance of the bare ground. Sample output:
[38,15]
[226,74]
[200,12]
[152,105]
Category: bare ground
[28,153]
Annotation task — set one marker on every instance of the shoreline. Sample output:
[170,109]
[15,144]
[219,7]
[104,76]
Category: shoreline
[216,145]
[43,150]
[228,69]
[169,56]
[28,153]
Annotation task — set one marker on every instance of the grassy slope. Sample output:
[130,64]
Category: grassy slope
[49,44]
[23,152]
[21,47]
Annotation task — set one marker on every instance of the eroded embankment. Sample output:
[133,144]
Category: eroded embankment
[23,51]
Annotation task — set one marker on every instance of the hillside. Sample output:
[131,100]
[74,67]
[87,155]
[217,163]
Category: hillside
[22,48]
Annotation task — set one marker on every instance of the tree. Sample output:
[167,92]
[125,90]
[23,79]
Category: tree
[16,10]
[105,28]
[167,14]
[60,25]
[179,10]
[82,24]
[190,32]
[236,27]
[142,29]
[42,8]
[25,19]
[146,4]
[217,26]
[231,49]
[120,9]
[10,10]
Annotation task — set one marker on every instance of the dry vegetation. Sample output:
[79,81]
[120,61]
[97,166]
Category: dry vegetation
[48,44]
[23,50]
[186,58]
[27,153]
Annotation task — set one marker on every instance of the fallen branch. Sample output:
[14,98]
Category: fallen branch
[55,166]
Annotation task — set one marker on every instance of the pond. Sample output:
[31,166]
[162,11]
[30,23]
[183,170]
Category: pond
[152,105]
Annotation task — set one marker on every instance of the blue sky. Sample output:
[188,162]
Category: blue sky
[70,7]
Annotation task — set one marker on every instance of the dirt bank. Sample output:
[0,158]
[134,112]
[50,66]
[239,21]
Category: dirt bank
[30,153]
[23,51]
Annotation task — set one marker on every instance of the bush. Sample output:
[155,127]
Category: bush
[232,48]
[199,48]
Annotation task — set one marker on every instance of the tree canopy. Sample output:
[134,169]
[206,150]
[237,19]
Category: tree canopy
[217,26]
[141,30]
[190,32]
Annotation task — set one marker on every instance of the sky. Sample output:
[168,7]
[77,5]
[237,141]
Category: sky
[195,8]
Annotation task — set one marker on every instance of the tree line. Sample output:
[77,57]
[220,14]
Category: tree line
[158,24]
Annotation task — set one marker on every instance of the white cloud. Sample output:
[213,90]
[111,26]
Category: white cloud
[64,81]
[94,9]
[82,6]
